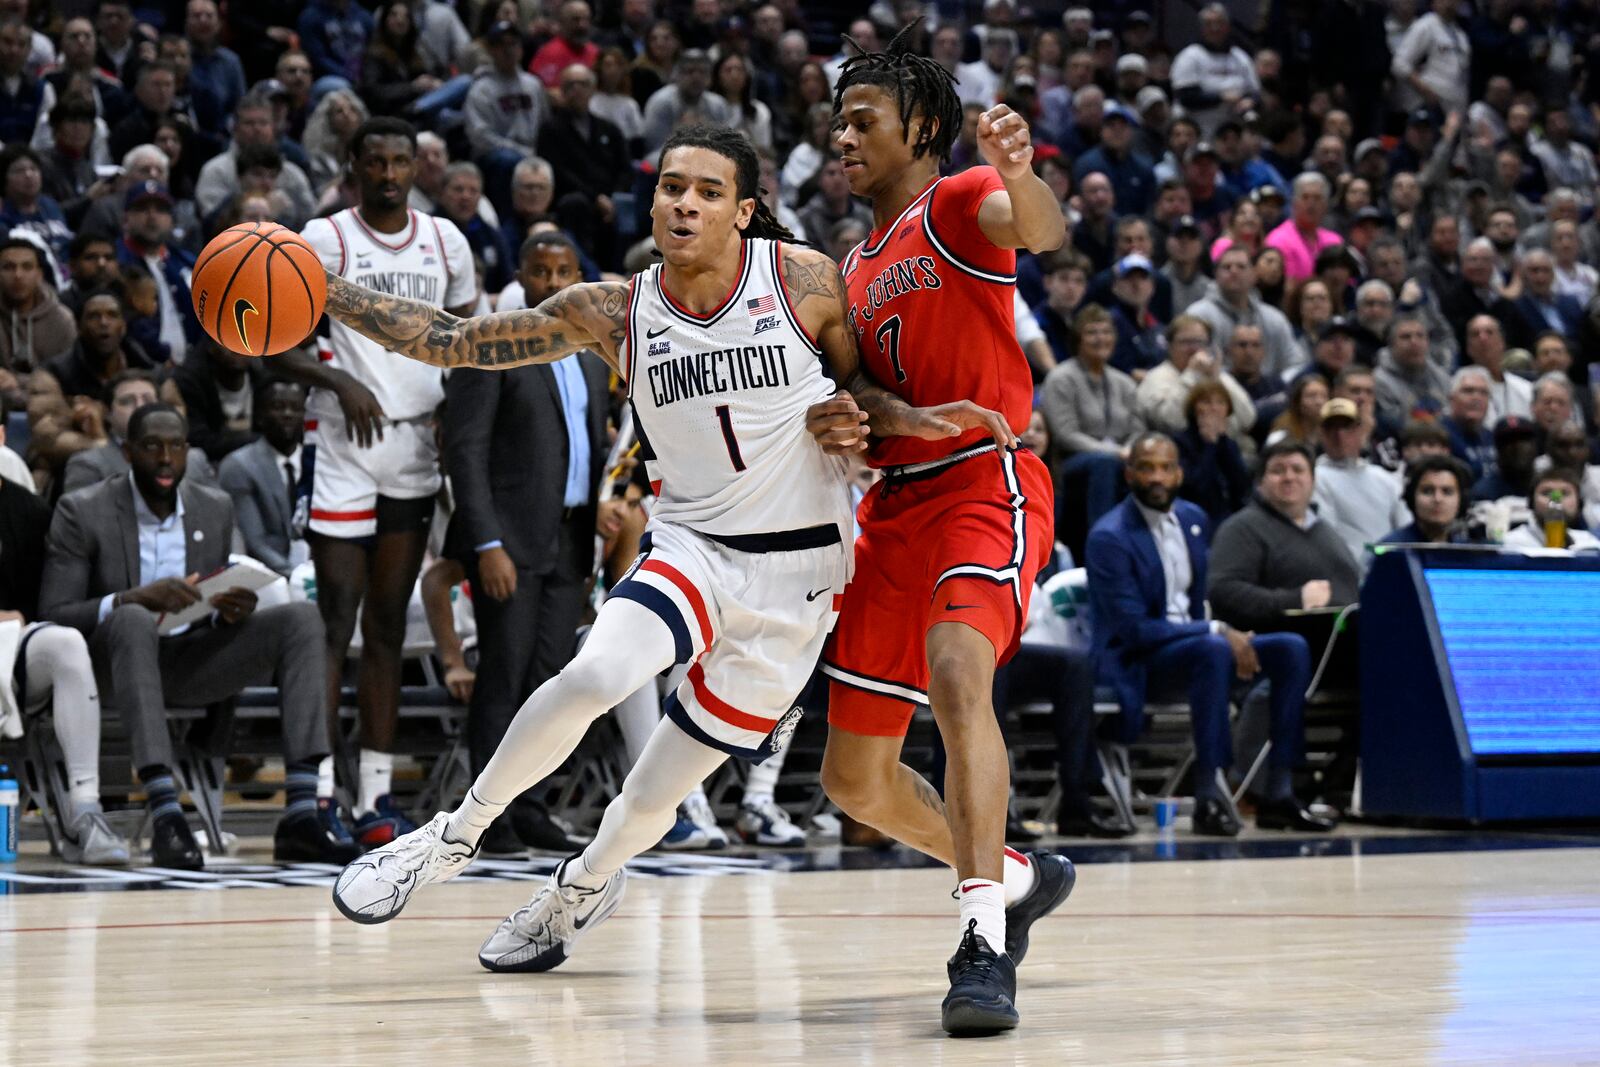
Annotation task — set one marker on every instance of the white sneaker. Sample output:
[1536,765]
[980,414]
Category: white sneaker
[90,840]
[763,822]
[696,829]
[539,936]
[375,887]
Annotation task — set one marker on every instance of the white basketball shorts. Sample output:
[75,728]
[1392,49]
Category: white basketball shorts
[347,480]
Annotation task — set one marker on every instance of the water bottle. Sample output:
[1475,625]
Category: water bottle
[1555,522]
[9,813]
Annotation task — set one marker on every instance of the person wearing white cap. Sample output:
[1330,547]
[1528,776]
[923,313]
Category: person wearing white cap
[1133,73]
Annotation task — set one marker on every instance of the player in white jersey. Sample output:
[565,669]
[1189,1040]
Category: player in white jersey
[371,459]
[745,552]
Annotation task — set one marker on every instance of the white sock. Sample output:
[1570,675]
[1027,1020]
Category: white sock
[325,777]
[984,901]
[85,793]
[1019,875]
[472,818]
[377,775]
[578,873]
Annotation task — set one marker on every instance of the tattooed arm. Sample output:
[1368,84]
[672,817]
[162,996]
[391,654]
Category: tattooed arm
[816,292]
[592,315]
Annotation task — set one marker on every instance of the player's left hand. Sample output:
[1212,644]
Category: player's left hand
[951,420]
[1005,142]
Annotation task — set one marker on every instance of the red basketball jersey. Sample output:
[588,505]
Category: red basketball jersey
[932,307]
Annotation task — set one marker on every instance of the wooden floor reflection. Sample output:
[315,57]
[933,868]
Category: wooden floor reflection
[1410,959]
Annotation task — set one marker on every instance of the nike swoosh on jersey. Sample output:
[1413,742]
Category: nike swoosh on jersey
[812,596]
[958,607]
[650,335]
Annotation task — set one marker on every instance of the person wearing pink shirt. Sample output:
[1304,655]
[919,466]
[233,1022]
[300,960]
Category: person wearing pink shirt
[1301,236]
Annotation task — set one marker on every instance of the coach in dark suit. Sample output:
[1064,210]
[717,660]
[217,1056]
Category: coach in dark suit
[122,553]
[264,477]
[1147,578]
[524,449]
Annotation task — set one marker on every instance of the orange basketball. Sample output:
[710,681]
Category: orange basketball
[258,288]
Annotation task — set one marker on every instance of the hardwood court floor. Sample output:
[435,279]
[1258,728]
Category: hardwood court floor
[1477,957]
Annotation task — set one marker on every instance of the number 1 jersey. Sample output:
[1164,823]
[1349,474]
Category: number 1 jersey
[931,306]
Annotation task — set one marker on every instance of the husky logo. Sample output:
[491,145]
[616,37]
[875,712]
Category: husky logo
[659,348]
[241,308]
[785,729]
[770,322]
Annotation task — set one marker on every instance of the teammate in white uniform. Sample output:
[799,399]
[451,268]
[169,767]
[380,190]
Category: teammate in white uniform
[371,460]
[747,547]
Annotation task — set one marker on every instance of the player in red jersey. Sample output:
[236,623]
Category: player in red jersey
[953,535]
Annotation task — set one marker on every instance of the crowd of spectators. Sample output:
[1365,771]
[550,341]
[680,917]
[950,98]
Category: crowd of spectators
[1342,256]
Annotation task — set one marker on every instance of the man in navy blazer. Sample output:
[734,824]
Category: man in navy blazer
[1541,307]
[1147,577]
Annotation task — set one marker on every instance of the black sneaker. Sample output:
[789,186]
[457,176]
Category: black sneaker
[1053,879]
[983,989]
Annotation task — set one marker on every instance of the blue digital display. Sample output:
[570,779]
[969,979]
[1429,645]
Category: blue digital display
[1524,650]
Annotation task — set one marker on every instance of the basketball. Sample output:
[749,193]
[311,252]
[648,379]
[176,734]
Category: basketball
[258,288]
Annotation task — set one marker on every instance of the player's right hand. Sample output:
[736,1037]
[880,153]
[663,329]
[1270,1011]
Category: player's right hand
[363,415]
[839,426]
[496,573]
[949,420]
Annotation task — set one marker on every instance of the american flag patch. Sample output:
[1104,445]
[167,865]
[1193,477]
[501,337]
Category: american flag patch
[764,305]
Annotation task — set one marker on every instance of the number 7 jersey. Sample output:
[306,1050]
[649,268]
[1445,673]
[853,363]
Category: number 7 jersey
[721,401]
[932,309]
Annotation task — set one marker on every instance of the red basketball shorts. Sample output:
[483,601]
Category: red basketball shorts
[955,543]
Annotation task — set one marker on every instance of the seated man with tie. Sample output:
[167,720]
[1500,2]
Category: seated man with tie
[125,551]
[263,477]
[1147,577]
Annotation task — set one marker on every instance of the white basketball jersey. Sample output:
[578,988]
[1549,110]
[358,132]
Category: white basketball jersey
[429,261]
[722,403]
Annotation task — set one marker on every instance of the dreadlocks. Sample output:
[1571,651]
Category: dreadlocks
[916,82]
[734,146]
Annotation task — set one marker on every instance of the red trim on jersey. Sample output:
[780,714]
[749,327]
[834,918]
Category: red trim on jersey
[838,601]
[783,291]
[344,255]
[738,283]
[655,487]
[866,249]
[311,424]
[723,710]
[686,587]
[344,516]
[355,213]
[439,237]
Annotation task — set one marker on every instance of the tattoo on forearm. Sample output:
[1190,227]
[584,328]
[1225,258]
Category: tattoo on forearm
[580,316]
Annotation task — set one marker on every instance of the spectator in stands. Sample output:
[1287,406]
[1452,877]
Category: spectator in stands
[460,202]
[505,111]
[1301,236]
[1475,292]
[1486,347]
[1163,396]
[1131,236]
[1409,382]
[1556,497]
[1185,268]
[1132,180]
[334,35]
[689,94]
[1431,62]
[218,389]
[210,63]
[1276,554]
[1301,418]
[78,45]
[21,108]
[146,238]
[91,264]
[614,102]
[1213,79]
[264,477]
[396,73]
[1568,447]
[1209,198]
[1359,500]
[979,82]
[1245,354]
[1092,411]
[1436,494]
[293,73]
[252,128]
[118,53]
[1471,441]
[37,328]
[92,585]
[734,80]
[1147,562]
[54,660]
[1335,349]
[1574,277]
[1244,228]
[1140,345]
[1374,313]
[831,204]
[128,392]
[1092,234]
[102,350]
[591,161]
[1516,451]
[570,45]
[26,208]
[1066,279]
[1541,306]
[1233,302]
[192,101]
[1215,476]
[526,450]
[1554,403]
[154,94]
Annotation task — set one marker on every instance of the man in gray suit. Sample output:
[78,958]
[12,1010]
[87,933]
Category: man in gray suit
[126,393]
[525,450]
[122,553]
[263,477]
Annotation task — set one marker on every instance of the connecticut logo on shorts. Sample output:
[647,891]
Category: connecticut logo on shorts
[785,729]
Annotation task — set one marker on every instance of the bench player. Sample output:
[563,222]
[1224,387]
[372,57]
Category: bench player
[723,347]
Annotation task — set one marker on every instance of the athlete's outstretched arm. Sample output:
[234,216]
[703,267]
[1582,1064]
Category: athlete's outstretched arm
[816,292]
[591,315]
[1027,215]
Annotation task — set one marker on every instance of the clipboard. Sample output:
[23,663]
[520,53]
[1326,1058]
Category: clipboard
[240,574]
